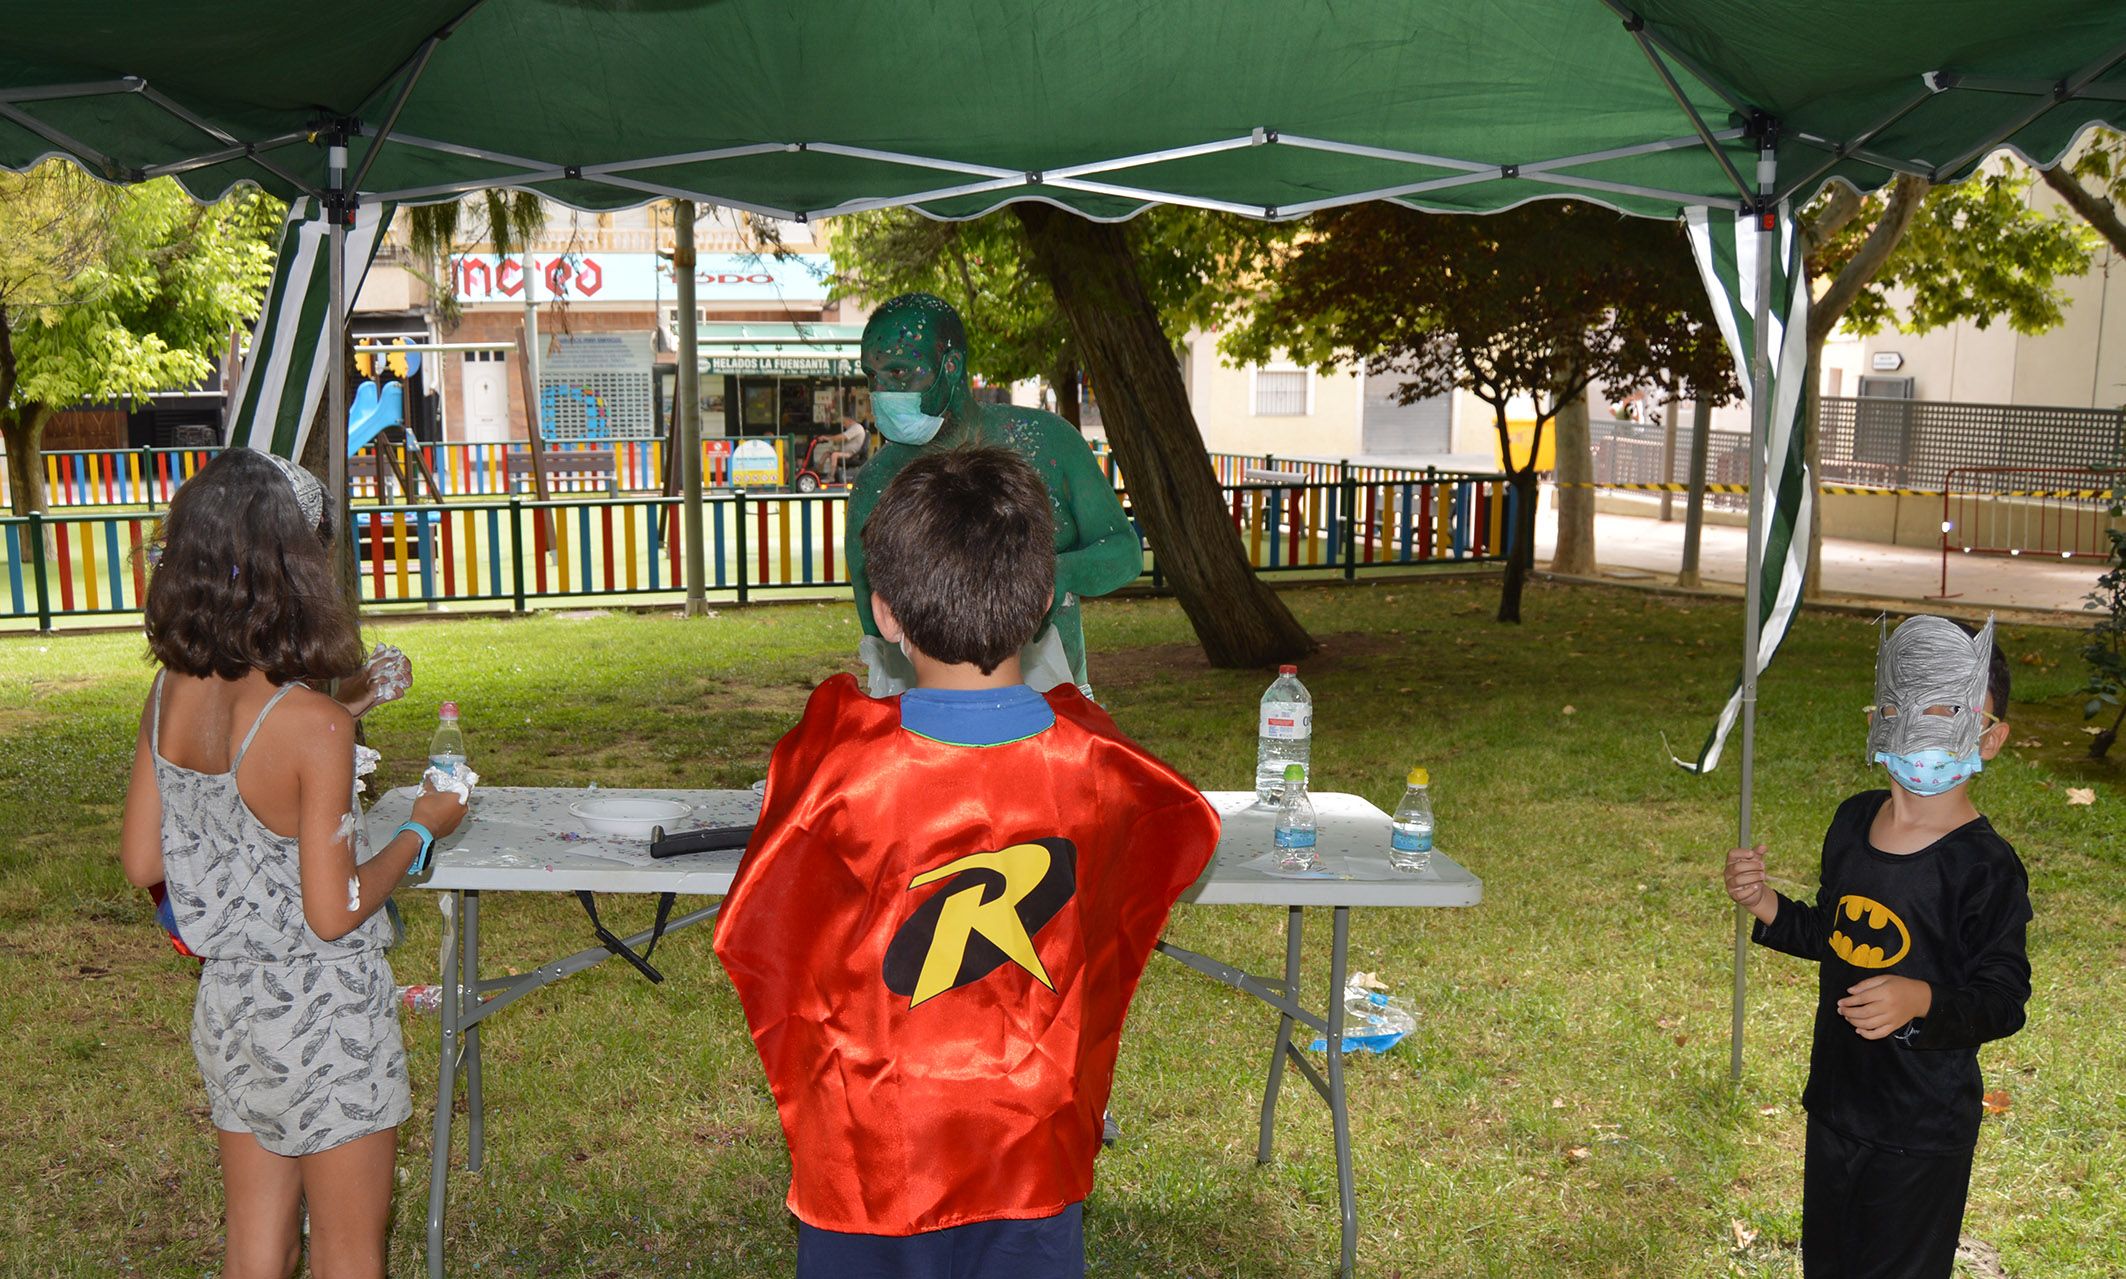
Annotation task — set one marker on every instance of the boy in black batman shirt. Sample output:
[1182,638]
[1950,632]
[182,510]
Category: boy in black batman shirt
[1918,928]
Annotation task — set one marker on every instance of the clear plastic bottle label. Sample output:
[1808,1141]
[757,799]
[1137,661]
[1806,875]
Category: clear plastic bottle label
[1287,721]
[1411,841]
[1288,838]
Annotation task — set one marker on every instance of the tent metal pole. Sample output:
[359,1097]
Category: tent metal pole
[1625,188]
[77,89]
[1767,232]
[1645,40]
[171,106]
[398,105]
[1634,22]
[223,156]
[1843,151]
[2068,88]
[1158,197]
[65,141]
[335,338]
[688,393]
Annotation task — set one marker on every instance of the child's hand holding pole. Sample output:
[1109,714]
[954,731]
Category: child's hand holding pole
[1745,883]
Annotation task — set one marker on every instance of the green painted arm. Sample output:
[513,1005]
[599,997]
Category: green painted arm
[1108,555]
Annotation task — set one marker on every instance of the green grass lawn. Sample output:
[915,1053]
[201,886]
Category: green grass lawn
[1562,1109]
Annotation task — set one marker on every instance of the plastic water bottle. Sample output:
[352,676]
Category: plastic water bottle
[1284,733]
[446,750]
[421,999]
[1295,823]
[1410,845]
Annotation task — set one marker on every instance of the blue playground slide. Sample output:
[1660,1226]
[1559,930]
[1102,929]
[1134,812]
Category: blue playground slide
[376,409]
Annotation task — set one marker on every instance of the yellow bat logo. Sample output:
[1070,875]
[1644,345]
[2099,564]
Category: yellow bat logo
[986,916]
[1869,954]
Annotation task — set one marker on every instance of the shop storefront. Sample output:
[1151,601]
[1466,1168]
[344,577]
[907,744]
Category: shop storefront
[777,379]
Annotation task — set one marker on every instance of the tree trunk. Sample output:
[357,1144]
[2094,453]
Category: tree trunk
[2096,210]
[1522,480]
[1070,406]
[1575,551]
[1522,560]
[1172,490]
[23,430]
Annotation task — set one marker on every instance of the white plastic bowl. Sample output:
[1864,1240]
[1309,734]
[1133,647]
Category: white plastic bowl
[634,818]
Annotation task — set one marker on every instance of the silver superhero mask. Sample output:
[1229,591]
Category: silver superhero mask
[309,494]
[1930,661]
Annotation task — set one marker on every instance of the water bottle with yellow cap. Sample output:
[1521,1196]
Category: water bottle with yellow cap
[1410,846]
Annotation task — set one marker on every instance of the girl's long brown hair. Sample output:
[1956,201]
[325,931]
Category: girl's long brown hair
[245,583]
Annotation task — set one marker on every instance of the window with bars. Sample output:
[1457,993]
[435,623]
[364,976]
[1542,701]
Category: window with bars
[1281,392]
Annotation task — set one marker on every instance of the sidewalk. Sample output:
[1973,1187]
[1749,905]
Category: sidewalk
[1632,548]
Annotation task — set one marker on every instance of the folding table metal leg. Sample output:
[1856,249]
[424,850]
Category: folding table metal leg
[1339,1112]
[475,1111]
[446,1092]
[1294,921]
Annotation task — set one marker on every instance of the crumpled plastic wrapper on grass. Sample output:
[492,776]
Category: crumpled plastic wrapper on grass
[1374,1021]
[458,780]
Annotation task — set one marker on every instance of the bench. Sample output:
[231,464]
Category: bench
[1258,475]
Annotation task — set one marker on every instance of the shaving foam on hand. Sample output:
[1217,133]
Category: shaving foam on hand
[390,673]
[458,780]
[365,762]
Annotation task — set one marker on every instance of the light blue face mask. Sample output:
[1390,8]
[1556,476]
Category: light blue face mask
[901,417]
[1931,772]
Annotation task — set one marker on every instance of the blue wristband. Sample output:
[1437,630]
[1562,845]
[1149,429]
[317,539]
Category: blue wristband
[428,843]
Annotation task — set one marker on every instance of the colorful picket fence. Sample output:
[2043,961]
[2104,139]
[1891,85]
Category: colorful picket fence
[146,477]
[1351,526]
[520,554]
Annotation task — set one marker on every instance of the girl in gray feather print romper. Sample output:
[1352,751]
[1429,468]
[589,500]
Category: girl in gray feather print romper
[243,802]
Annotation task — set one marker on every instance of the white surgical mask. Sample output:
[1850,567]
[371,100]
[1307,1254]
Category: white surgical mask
[901,417]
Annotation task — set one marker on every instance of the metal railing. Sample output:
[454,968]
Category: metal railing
[2050,513]
[518,553]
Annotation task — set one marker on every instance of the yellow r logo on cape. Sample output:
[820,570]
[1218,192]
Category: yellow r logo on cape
[1022,867]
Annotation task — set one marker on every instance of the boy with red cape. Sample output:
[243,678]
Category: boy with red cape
[947,904]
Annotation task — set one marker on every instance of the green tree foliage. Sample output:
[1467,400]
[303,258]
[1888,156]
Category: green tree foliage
[2106,651]
[1974,251]
[507,221]
[110,293]
[1533,304]
[985,268]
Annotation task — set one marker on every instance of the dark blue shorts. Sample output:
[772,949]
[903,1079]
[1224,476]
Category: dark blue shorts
[1043,1248]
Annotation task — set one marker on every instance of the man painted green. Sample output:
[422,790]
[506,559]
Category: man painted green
[915,356]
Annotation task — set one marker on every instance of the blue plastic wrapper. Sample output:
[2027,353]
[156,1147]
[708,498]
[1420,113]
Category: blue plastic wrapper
[1373,1022]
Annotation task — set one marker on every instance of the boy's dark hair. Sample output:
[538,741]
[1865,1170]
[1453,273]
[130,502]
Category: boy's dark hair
[962,547]
[1997,673]
[245,582]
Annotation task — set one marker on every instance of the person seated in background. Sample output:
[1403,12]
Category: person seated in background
[947,904]
[849,445]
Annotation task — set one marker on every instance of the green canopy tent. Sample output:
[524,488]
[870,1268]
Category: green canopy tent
[1725,111]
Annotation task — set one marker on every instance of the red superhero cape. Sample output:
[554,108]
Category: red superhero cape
[936,945]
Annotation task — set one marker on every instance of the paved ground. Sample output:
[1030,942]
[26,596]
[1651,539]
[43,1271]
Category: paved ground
[1627,546]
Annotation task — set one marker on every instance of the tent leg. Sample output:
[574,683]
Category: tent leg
[1753,583]
[337,212]
[688,419]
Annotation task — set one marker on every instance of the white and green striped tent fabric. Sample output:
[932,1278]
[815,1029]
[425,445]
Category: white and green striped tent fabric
[285,371]
[1726,247]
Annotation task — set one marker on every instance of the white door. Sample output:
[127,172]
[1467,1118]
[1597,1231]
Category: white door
[486,398]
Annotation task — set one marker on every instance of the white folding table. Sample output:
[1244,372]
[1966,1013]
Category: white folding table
[521,839]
